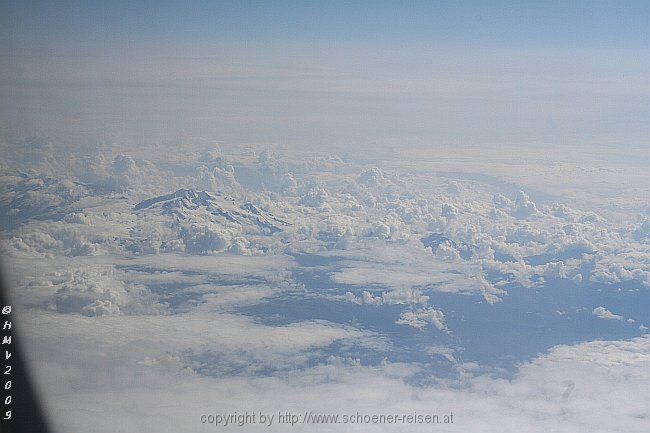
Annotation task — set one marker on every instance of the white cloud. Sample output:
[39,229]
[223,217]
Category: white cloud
[524,207]
[421,318]
[97,291]
[603,313]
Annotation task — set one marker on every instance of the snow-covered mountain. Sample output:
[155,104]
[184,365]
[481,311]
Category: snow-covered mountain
[200,222]
[190,205]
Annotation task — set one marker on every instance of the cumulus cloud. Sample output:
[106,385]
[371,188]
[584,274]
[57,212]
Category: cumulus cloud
[642,233]
[315,197]
[404,295]
[603,313]
[371,177]
[97,292]
[524,207]
[421,318]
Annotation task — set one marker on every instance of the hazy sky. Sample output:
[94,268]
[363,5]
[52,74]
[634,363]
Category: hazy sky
[373,73]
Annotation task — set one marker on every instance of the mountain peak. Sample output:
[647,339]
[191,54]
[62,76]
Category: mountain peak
[187,203]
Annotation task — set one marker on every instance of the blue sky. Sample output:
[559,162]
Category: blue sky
[309,73]
[587,23]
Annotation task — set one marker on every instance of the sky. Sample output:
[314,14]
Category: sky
[340,74]
[590,24]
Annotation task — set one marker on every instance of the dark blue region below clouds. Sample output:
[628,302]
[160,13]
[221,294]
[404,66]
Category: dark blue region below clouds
[527,322]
